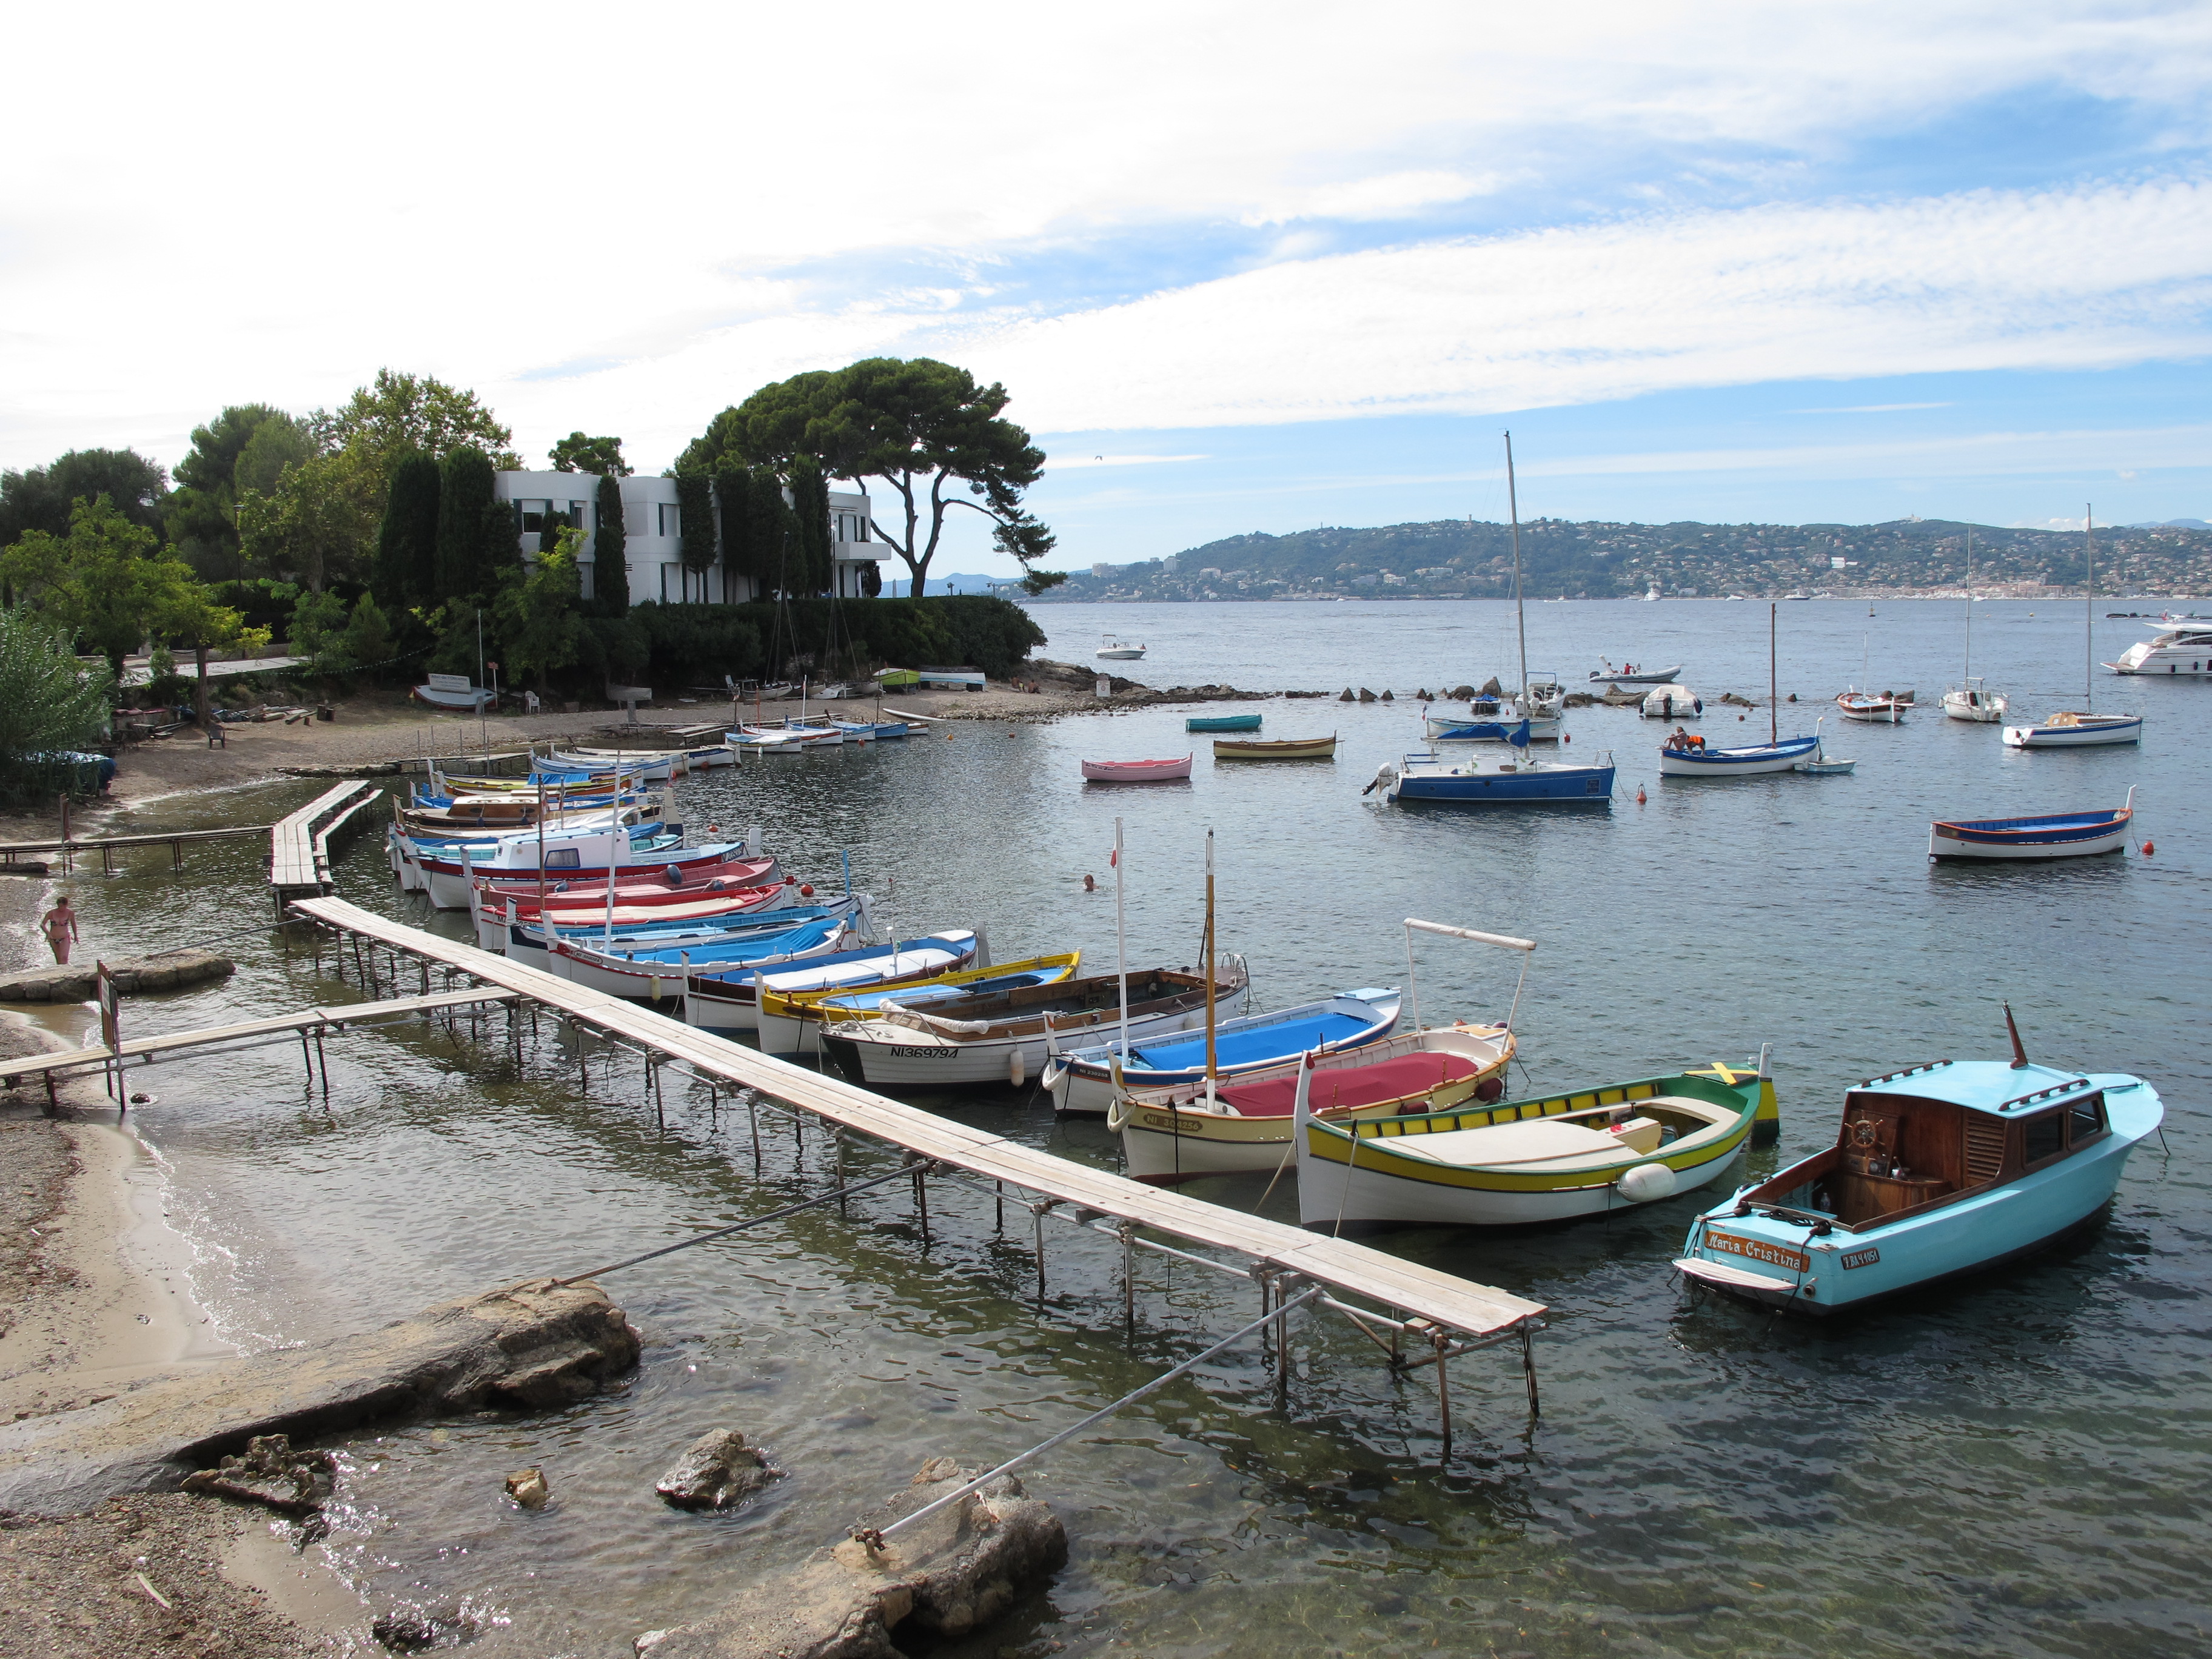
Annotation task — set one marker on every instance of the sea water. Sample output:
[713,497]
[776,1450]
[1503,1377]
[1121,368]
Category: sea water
[2012,1465]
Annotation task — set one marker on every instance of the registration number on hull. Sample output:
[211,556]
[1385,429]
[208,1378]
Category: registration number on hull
[1759,1249]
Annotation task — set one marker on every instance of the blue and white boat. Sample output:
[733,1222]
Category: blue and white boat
[1484,776]
[1082,1079]
[730,1002]
[648,972]
[1937,1172]
[1784,755]
[2051,835]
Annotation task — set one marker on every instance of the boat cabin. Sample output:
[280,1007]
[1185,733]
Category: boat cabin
[1930,1135]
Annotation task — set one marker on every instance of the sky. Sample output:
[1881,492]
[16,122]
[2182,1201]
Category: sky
[1240,267]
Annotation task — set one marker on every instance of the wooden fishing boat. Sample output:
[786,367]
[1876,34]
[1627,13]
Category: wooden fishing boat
[2050,836]
[649,972]
[792,1022]
[529,942]
[1222,723]
[1937,1172]
[1084,1079]
[990,1035]
[1578,1154]
[1176,1134]
[731,1002]
[1686,757]
[1136,771]
[1275,749]
[508,923]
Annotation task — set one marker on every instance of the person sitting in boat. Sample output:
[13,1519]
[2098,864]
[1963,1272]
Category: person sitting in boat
[1680,739]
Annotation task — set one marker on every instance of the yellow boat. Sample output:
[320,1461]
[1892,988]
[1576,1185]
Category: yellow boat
[1275,749]
[790,1021]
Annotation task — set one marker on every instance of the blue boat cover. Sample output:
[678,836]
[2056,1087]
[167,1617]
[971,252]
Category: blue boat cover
[1252,1047]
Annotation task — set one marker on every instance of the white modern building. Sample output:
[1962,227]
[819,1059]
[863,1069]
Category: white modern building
[652,530]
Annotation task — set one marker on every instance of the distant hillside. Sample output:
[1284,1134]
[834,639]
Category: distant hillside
[1458,558]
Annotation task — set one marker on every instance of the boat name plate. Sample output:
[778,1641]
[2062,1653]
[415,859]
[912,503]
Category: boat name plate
[1865,1258]
[1759,1250]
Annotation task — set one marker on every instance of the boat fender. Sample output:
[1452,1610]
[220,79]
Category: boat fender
[1640,794]
[1017,1071]
[1647,1182]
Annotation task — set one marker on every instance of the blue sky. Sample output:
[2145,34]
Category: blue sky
[1242,268]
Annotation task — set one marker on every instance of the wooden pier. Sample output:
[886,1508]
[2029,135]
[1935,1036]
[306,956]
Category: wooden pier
[309,1025]
[107,846]
[299,845]
[1436,1309]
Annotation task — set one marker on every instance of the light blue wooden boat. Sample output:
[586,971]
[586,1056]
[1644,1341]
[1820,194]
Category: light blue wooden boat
[1223,723]
[1938,1170]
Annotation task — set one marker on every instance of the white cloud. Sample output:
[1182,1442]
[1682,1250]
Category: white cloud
[254,201]
[1081,463]
[1867,408]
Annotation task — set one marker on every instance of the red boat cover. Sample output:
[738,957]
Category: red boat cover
[1352,1086]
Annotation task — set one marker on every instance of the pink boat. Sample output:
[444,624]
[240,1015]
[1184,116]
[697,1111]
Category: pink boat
[1136,771]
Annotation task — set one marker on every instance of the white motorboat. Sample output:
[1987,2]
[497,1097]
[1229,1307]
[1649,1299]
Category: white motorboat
[1631,675]
[2183,645]
[1971,702]
[1114,650]
[1971,699]
[1672,702]
[2079,728]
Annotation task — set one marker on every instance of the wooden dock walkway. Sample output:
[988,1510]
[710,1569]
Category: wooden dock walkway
[1432,1302]
[299,845]
[175,840]
[309,1022]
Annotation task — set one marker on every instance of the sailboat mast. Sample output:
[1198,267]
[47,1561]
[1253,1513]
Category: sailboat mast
[1209,970]
[2089,620]
[1773,684]
[1520,613]
[1121,941]
[1967,672]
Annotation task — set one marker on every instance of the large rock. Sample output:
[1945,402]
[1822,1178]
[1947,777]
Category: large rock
[717,1470]
[532,1344]
[269,1472]
[948,1575]
[74,983]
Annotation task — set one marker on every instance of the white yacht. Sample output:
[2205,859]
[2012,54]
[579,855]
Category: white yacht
[2183,647]
[1114,650]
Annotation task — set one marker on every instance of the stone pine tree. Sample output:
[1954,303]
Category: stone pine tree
[405,573]
[809,495]
[695,502]
[610,574]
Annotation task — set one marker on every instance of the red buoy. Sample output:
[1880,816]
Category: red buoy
[806,889]
[1640,794]
[2147,849]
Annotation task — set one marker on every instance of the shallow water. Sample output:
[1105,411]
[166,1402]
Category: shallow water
[2009,1465]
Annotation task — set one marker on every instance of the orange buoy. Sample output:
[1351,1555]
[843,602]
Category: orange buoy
[1566,737]
[1640,794]
[2147,849]
[805,890]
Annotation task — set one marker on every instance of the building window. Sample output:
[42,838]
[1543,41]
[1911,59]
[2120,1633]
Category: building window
[671,518]
[580,514]
[533,515]
[671,576]
[585,572]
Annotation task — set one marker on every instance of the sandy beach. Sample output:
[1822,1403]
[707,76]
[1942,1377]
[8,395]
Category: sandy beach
[95,1298]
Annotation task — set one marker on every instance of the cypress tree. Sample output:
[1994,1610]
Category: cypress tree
[733,494]
[405,571]
[609,575]
[466,503]
[499,549]
[810,493]
[694,499]
[766,523]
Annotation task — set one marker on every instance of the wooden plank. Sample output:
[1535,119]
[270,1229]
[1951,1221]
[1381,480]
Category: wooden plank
[308,1019]
[80,844]
[1477,1311]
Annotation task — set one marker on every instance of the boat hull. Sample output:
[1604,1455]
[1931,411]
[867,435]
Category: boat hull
[920,1059]
[1368,1182]
[1424,779]
[2067,835]
[2089,735]
[1784,757]
[1083,1083]
[1276,748]
[1224,723]
[1143,771]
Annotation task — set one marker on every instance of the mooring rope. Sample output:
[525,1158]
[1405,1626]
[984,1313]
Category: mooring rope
[877,1535]
[903,1173]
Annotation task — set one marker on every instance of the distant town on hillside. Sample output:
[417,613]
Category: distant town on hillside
[1463,558]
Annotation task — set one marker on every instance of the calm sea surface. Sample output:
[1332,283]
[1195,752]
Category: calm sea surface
[2015,1466]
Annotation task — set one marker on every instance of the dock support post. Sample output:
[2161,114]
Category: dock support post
[1527,1369]
[1038,1208]
[323,1066]
[921,1198]
[998,1209]
[838,1145]
[1440,1338]
[1128,1232]
[752,1111]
